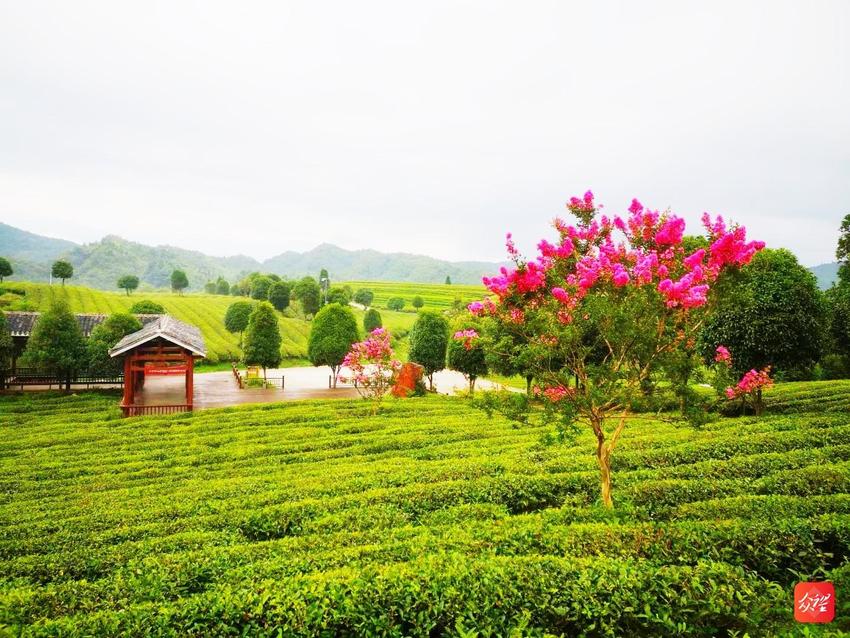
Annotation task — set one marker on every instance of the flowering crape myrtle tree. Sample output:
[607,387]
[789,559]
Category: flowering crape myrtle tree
[605,307]
[373,366]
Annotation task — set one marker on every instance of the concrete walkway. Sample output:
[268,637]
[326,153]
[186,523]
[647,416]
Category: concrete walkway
[219,389]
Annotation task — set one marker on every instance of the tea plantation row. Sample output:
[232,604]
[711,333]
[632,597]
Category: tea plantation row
[316,518]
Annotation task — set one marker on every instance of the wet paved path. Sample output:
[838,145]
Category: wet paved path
[219,389]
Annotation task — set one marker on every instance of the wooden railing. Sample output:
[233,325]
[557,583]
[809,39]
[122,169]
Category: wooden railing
[243,380]
[21,377]
[145,410]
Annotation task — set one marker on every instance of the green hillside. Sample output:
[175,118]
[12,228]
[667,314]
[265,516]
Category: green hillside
[315,518]
[435,296]
[204,311]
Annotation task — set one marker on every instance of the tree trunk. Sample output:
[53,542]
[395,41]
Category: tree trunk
[603,457]
[431,381]
[471,385]
[68,381]
[265,379]
[334,370]
[528,384]
[758,404]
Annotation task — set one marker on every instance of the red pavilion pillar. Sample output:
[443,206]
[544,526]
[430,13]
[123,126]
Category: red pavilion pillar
[190,379]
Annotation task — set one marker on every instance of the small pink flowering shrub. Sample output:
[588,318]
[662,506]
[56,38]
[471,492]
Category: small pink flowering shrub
[607,307]
[372,365]
[748,390]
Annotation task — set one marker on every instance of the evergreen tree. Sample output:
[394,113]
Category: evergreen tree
[448,280]
[179,281]
[237,316]
[260,287]
[279,293]
[333,331]
[429,340]
[62,270]
[222,287]
[372,320]
[262,338]
[364,297]
[56,342]
[771,314]
[5,269]
[308,293]
[7,344]
[129,283]
[104,337]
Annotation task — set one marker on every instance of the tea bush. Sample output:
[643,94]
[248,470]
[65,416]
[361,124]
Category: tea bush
[316,518]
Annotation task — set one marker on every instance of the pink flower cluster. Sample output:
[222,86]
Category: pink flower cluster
[651,253]
[584,205]
[749,383]
[467,336]
[554,393]
[370,359]
[722,355]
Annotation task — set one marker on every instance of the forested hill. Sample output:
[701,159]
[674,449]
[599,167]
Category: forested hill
[99,264]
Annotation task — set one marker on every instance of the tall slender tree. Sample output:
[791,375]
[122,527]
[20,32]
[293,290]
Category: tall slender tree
[262,338]
[333,331]
[429,339]
[5,269]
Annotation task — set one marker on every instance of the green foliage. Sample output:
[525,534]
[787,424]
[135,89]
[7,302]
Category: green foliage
[372,320]
[7,345]
[104,337]
[842,252]
[333,331]
[221,286]
[147,307]
[470,361]
[5,268]
[417,302]
[262,337]
[773,315]
[279,293]
[62,269]
[395,303]
[210,288]
[838,302]
[260,286]
[312,518]
[128,283]
[339,295]
[448,280]
[309,295]
[179,281]
[429,339]
[363,296]
[56,342]
[237,316]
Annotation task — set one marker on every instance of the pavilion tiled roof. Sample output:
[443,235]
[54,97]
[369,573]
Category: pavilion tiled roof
[21,323]
[168,328]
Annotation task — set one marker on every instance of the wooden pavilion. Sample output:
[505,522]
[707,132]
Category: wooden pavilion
[164,347]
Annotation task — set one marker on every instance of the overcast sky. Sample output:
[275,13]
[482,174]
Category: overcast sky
[427,127]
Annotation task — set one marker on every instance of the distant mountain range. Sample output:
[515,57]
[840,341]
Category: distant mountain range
[100,264]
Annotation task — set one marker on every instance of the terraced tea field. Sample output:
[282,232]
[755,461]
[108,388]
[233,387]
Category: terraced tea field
[204,311]
[435,296]
[428,519]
